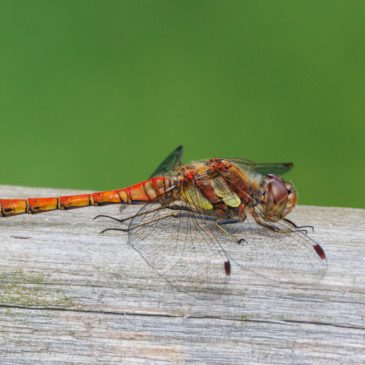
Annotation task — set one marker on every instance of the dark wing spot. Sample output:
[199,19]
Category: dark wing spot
[227,268]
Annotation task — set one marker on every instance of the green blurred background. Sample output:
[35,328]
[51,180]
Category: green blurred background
[94,94]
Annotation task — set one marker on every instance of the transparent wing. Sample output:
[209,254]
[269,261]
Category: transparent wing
[264,168]
[283,257]
[169,163]
[286,256]
[182,245]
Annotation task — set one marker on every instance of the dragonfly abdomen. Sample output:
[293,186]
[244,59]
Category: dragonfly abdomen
[145,191]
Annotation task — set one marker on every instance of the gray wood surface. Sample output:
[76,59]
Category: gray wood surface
[71,296]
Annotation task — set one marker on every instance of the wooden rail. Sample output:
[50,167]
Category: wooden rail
[71,296]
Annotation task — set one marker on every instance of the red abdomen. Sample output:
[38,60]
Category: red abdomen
[145,191]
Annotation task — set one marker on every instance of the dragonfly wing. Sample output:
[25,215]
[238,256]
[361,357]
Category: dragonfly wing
[283,257]
[263,168]
[170,163]
[182,246]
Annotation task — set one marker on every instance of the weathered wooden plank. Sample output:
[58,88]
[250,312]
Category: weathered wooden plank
[71,296]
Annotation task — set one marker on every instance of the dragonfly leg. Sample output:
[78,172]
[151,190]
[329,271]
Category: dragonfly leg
[228,234]
[179,207]
[274,228]
[128,218]
[114,229]
[109,217]
[195,216]
[296,226]
[174,215]
[229,221]
[138,225]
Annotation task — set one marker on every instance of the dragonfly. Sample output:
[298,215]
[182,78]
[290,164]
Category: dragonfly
[198,219]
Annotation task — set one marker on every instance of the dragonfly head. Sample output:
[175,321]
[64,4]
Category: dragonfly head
[278,197]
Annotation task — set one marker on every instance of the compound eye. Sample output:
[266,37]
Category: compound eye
[292,196]
[278,191]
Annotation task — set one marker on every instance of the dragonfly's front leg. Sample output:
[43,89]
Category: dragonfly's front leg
[274,228]
[298,227]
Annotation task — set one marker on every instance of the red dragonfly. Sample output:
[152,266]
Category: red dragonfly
[204,216]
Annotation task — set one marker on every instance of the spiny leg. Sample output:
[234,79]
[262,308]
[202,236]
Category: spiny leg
[172,207]
[180,207]
[229,221]
[280,230]
[272,227]
[229,234]
[114,229]
[206,217]
[296,226]
[138,225]
[128,218]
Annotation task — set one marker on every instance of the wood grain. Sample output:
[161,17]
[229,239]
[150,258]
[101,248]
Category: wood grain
[71,296]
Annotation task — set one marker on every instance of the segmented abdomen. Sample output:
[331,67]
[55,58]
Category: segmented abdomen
[146,191]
